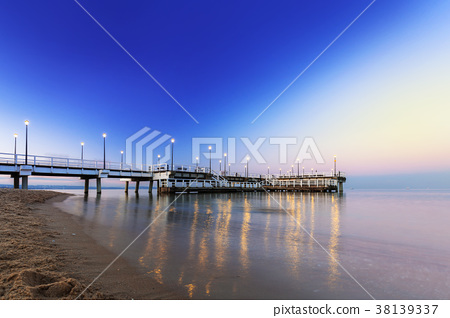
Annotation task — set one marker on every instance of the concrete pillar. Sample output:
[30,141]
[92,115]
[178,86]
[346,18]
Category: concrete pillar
[150,186]
[16,182]
[99,185]
[136,190]
[127,183]
[341,187]
[25,183]
[86,186]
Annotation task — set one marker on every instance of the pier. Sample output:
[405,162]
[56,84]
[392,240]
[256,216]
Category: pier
[168,178]
[197,180]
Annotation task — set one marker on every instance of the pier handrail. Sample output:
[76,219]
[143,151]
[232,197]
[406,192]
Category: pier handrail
[304,175]
[218,177]
[65,162]
[182,183]
[61,162]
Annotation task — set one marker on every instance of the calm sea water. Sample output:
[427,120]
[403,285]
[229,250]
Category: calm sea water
[396,244]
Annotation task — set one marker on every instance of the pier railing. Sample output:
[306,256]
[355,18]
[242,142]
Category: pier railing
[307,182]
[162,167]
[304,175]
[181,183]
[61,162]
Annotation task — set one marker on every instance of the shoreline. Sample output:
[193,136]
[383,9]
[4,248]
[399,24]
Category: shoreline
[56,259]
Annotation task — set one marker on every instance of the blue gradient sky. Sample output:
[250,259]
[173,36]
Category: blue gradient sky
[378,98]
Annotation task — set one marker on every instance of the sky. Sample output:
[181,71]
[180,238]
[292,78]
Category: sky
[377,98]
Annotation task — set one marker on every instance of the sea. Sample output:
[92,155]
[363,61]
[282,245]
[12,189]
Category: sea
[362,244]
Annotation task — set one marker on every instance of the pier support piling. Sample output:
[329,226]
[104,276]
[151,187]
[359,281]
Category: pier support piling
[86,186]
[25,183]
[127,184]
[99,185]
[16,182]
[136,190]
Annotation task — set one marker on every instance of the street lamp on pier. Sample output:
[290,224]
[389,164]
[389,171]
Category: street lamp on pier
[210,170]
[15,148]
[26,141]
[104,151]
[196,164]
[159,159]
[172,141]
[82,152]
[335,164]
[248,158]
[121,159]
[225,164]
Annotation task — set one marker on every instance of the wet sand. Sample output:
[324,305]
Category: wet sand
[46,254]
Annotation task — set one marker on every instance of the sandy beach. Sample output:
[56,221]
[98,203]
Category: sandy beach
[45,254]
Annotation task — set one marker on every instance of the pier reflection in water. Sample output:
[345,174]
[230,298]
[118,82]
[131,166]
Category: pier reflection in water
[242,245]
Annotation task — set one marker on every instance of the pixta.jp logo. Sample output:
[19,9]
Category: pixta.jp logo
[276,148]
[147,147]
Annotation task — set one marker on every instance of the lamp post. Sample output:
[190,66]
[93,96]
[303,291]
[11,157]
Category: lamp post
[82,153]
[15,148]
[210,171]
[298,167]
[268,171]
[334,164]
[173,141]
[245,171]
[26,141]
[159,159]
[248,158]
[220,166]
[303,171]
[312,172]
[225,164]
[196,164]
[121,159]
[292,170]
[280,172]
[229,169]
[104,151]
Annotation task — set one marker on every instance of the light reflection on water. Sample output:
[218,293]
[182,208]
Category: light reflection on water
[244,246]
